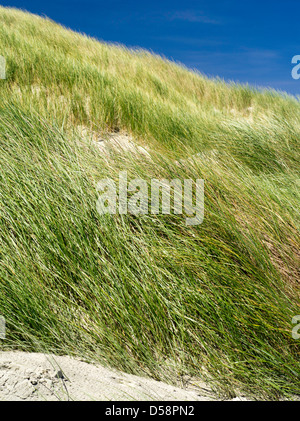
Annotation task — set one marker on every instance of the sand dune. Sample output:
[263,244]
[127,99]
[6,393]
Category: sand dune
[36,376]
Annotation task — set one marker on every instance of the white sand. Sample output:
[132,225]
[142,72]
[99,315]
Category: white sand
[33,376]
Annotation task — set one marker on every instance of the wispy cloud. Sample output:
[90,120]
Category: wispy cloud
[191,16]
[243,64]
[199,42]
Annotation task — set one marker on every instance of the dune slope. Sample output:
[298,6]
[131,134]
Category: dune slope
[146,294]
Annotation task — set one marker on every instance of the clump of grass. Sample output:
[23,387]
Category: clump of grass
[146,294]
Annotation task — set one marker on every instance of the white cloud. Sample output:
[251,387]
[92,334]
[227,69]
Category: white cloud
[191,16]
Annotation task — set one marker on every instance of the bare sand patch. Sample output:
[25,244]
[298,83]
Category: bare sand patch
[35,377]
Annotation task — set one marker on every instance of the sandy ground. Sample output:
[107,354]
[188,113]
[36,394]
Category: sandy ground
[119,142]
[33,376]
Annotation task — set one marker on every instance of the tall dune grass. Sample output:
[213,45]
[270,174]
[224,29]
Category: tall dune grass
[146,294]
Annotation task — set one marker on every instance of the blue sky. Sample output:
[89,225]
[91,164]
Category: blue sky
[246,41]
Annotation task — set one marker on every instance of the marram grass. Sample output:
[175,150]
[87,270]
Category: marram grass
[146,294]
